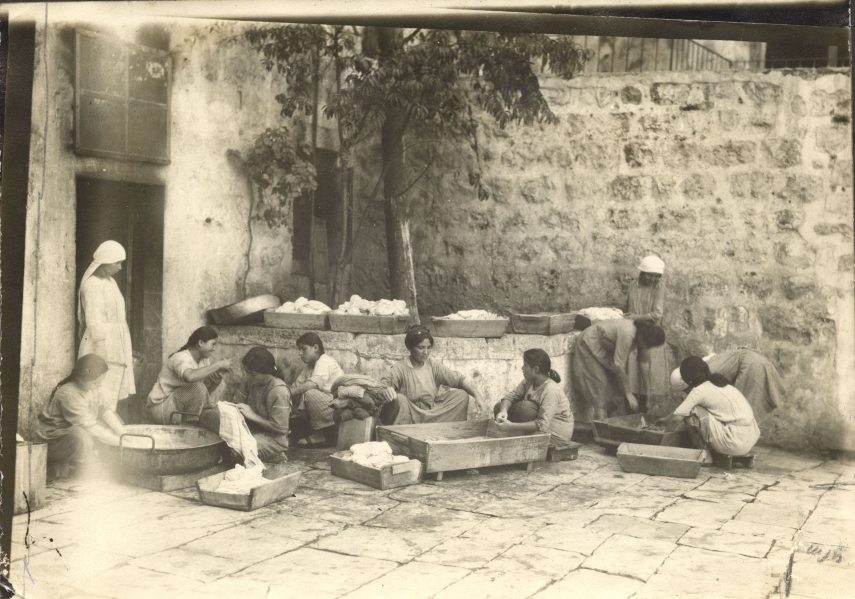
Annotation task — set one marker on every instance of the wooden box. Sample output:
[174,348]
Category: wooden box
[543,324]
[444,446]
[30,476]
[353,431]
[361,323]
[444,327]
[283,480]
[247,311]
[289,320]
[662,461]
[630,429]
[385,477]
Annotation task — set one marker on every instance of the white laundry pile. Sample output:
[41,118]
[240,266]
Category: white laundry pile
[384,307]
[304,306]
[595,314]
[236,434]
[374,454]
[240,480]
[472,315]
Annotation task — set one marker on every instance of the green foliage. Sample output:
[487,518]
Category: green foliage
[284,170]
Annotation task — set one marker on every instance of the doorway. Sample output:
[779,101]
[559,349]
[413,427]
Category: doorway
[132,214]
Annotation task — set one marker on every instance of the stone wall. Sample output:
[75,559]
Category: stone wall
[741,181]
[495,365]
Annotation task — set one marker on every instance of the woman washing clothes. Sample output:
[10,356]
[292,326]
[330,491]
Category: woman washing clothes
[103,324]
[311,394]
[718,415]
[417,379]
[265,405]
[645,303]
[187,379]
[549,410]
[76,414]
[752,373]
[599,363]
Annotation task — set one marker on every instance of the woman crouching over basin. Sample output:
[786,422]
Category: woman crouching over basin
[537,404]
[75,415]
[718,415]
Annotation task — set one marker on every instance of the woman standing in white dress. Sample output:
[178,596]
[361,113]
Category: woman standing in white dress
[101,314]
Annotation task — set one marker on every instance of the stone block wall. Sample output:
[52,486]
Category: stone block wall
[741,182]
[495,365]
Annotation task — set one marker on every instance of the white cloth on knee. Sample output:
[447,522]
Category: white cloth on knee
[235,432]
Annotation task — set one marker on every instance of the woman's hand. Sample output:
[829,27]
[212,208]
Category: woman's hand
[632,401]
[502,416]
[504,425]
[224,364]
[245,409]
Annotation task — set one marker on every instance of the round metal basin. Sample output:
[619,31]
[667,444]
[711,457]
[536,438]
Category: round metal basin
[159,449]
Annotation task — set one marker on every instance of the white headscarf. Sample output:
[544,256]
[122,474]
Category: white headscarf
[108,252]
[652,264]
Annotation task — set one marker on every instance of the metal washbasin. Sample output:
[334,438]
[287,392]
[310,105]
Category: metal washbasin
[159,449]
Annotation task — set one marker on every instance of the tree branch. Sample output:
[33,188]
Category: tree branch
[409,37]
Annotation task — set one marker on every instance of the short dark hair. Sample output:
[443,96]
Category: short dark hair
[311,339]
[416,334]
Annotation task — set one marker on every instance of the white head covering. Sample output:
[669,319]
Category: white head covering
[677,382]
[108,252]
[652,264]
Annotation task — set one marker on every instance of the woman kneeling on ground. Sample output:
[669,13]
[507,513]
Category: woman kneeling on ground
[417,379]
[76,414]
[718,415]
[537,404]
[265,405]
[187,379]
[312,398]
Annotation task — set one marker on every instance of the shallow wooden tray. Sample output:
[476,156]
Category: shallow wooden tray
[494,328]
[543,324]
[283,480]
[247,311]
[446,446]
[385,477]
[290,320]
[628,429]
[359,323]
[661,461]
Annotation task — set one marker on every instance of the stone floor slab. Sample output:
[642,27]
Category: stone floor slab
[830,555]
[463,552]
[828,531]
[415,580]
[774,514]
[568,537]
[322,573]
[357,511]
[202,567]
[133,582]
[415,516]
[639,527]
[694,513]
[629,556]
[640,505]
[821,581]
[781,534]
[716,540]
[295,527]
[588,584]
[543,561]
[488,584]
[380,543]
[245,545]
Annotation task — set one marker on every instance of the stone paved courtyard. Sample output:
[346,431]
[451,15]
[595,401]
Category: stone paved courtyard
[572,529]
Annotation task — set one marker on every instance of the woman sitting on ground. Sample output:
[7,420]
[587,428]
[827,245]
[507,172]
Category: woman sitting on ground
[718,415]
[416,381]
[311,394]
[599,363]
[265,405]
[76,414]
[537,404]
[752,373]
[187,379]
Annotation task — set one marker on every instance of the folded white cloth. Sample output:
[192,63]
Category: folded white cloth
[235,432]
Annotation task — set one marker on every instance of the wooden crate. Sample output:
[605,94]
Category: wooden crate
[247,311]
[661,461]
[283,480]
[629,429]
[379,325]
[446,446]
[289,320]
[563,452]
[385,477]
[543,324]
[494,328]
[353,431]
[30,476]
